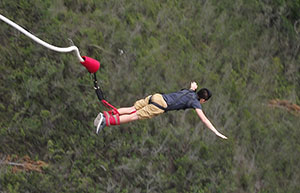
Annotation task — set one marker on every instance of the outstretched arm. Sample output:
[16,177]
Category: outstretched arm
[208,123]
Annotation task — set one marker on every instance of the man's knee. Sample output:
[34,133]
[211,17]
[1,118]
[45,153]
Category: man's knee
[134,116]
[132,110]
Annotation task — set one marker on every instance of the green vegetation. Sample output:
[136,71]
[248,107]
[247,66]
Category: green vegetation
[245,51]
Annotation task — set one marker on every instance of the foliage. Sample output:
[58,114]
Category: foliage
[246,52]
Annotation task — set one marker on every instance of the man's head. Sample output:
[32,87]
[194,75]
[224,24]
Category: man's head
[204,94]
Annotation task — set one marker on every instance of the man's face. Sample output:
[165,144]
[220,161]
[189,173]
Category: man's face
[202,101]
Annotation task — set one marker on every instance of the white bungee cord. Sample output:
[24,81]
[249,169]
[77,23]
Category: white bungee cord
[91,65]
[38,40]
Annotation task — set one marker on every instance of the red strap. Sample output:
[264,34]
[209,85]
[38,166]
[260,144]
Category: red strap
[114,109]
[111,118]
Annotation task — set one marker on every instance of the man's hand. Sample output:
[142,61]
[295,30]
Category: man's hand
[194,86]
[208,123]
[222,136]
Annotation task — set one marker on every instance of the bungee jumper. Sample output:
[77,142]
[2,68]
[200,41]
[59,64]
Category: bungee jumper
[157,104]
[147,108]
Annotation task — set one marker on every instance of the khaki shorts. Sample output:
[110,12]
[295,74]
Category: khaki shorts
[146,110]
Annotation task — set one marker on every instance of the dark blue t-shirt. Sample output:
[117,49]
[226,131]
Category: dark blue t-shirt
[183,99]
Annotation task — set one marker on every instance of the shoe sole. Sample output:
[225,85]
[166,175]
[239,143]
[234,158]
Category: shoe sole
[99,124]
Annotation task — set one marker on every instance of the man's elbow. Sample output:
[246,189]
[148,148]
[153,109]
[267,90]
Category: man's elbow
[202,117]
[204,120]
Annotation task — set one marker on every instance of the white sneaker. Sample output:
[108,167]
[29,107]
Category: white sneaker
[100,122]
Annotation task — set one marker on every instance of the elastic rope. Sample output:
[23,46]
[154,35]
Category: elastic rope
[36,39]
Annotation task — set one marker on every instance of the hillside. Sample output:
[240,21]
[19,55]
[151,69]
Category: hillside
[245,51]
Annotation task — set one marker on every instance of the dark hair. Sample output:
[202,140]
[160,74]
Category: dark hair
[204,93]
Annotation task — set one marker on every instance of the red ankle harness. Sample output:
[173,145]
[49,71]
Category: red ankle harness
[112,116]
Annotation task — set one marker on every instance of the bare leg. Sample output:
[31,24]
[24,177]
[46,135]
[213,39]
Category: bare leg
[126,110]
[128,118]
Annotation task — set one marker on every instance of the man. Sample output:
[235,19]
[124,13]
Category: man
[156,104]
